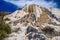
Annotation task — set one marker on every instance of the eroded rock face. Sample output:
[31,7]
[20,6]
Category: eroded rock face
[27,23]
[31,29]
[29,8]
[56,38]
[34,34]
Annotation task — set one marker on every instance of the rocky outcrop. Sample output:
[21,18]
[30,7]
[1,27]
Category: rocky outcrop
[33,22]
[34,34]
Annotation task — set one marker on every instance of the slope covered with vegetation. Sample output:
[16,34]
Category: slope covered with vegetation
[4,28]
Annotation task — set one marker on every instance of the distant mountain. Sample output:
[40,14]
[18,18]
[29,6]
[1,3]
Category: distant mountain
[8,7]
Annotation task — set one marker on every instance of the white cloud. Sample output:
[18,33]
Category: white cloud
[42,3]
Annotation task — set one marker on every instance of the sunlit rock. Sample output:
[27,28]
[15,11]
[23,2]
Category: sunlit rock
[29,22]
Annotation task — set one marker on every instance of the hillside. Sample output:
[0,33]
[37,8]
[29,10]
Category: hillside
[5,29]
[34,23]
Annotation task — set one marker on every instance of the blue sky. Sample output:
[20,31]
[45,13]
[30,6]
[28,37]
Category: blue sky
[12,5]
[7,6]
[43,3]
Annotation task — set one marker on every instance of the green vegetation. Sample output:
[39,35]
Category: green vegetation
[3,34]
[2,14]
[48,30]
[4,28]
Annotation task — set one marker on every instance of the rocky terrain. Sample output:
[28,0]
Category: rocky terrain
[34,23]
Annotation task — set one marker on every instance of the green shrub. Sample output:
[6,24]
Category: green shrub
[48,30]
[3,34]
[4,30]
[5,27]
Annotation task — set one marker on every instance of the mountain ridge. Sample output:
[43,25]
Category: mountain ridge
[33,17]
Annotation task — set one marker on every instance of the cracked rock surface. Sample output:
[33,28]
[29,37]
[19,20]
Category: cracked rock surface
[33,23]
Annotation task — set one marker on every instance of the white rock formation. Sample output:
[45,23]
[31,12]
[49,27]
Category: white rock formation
[26,24]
